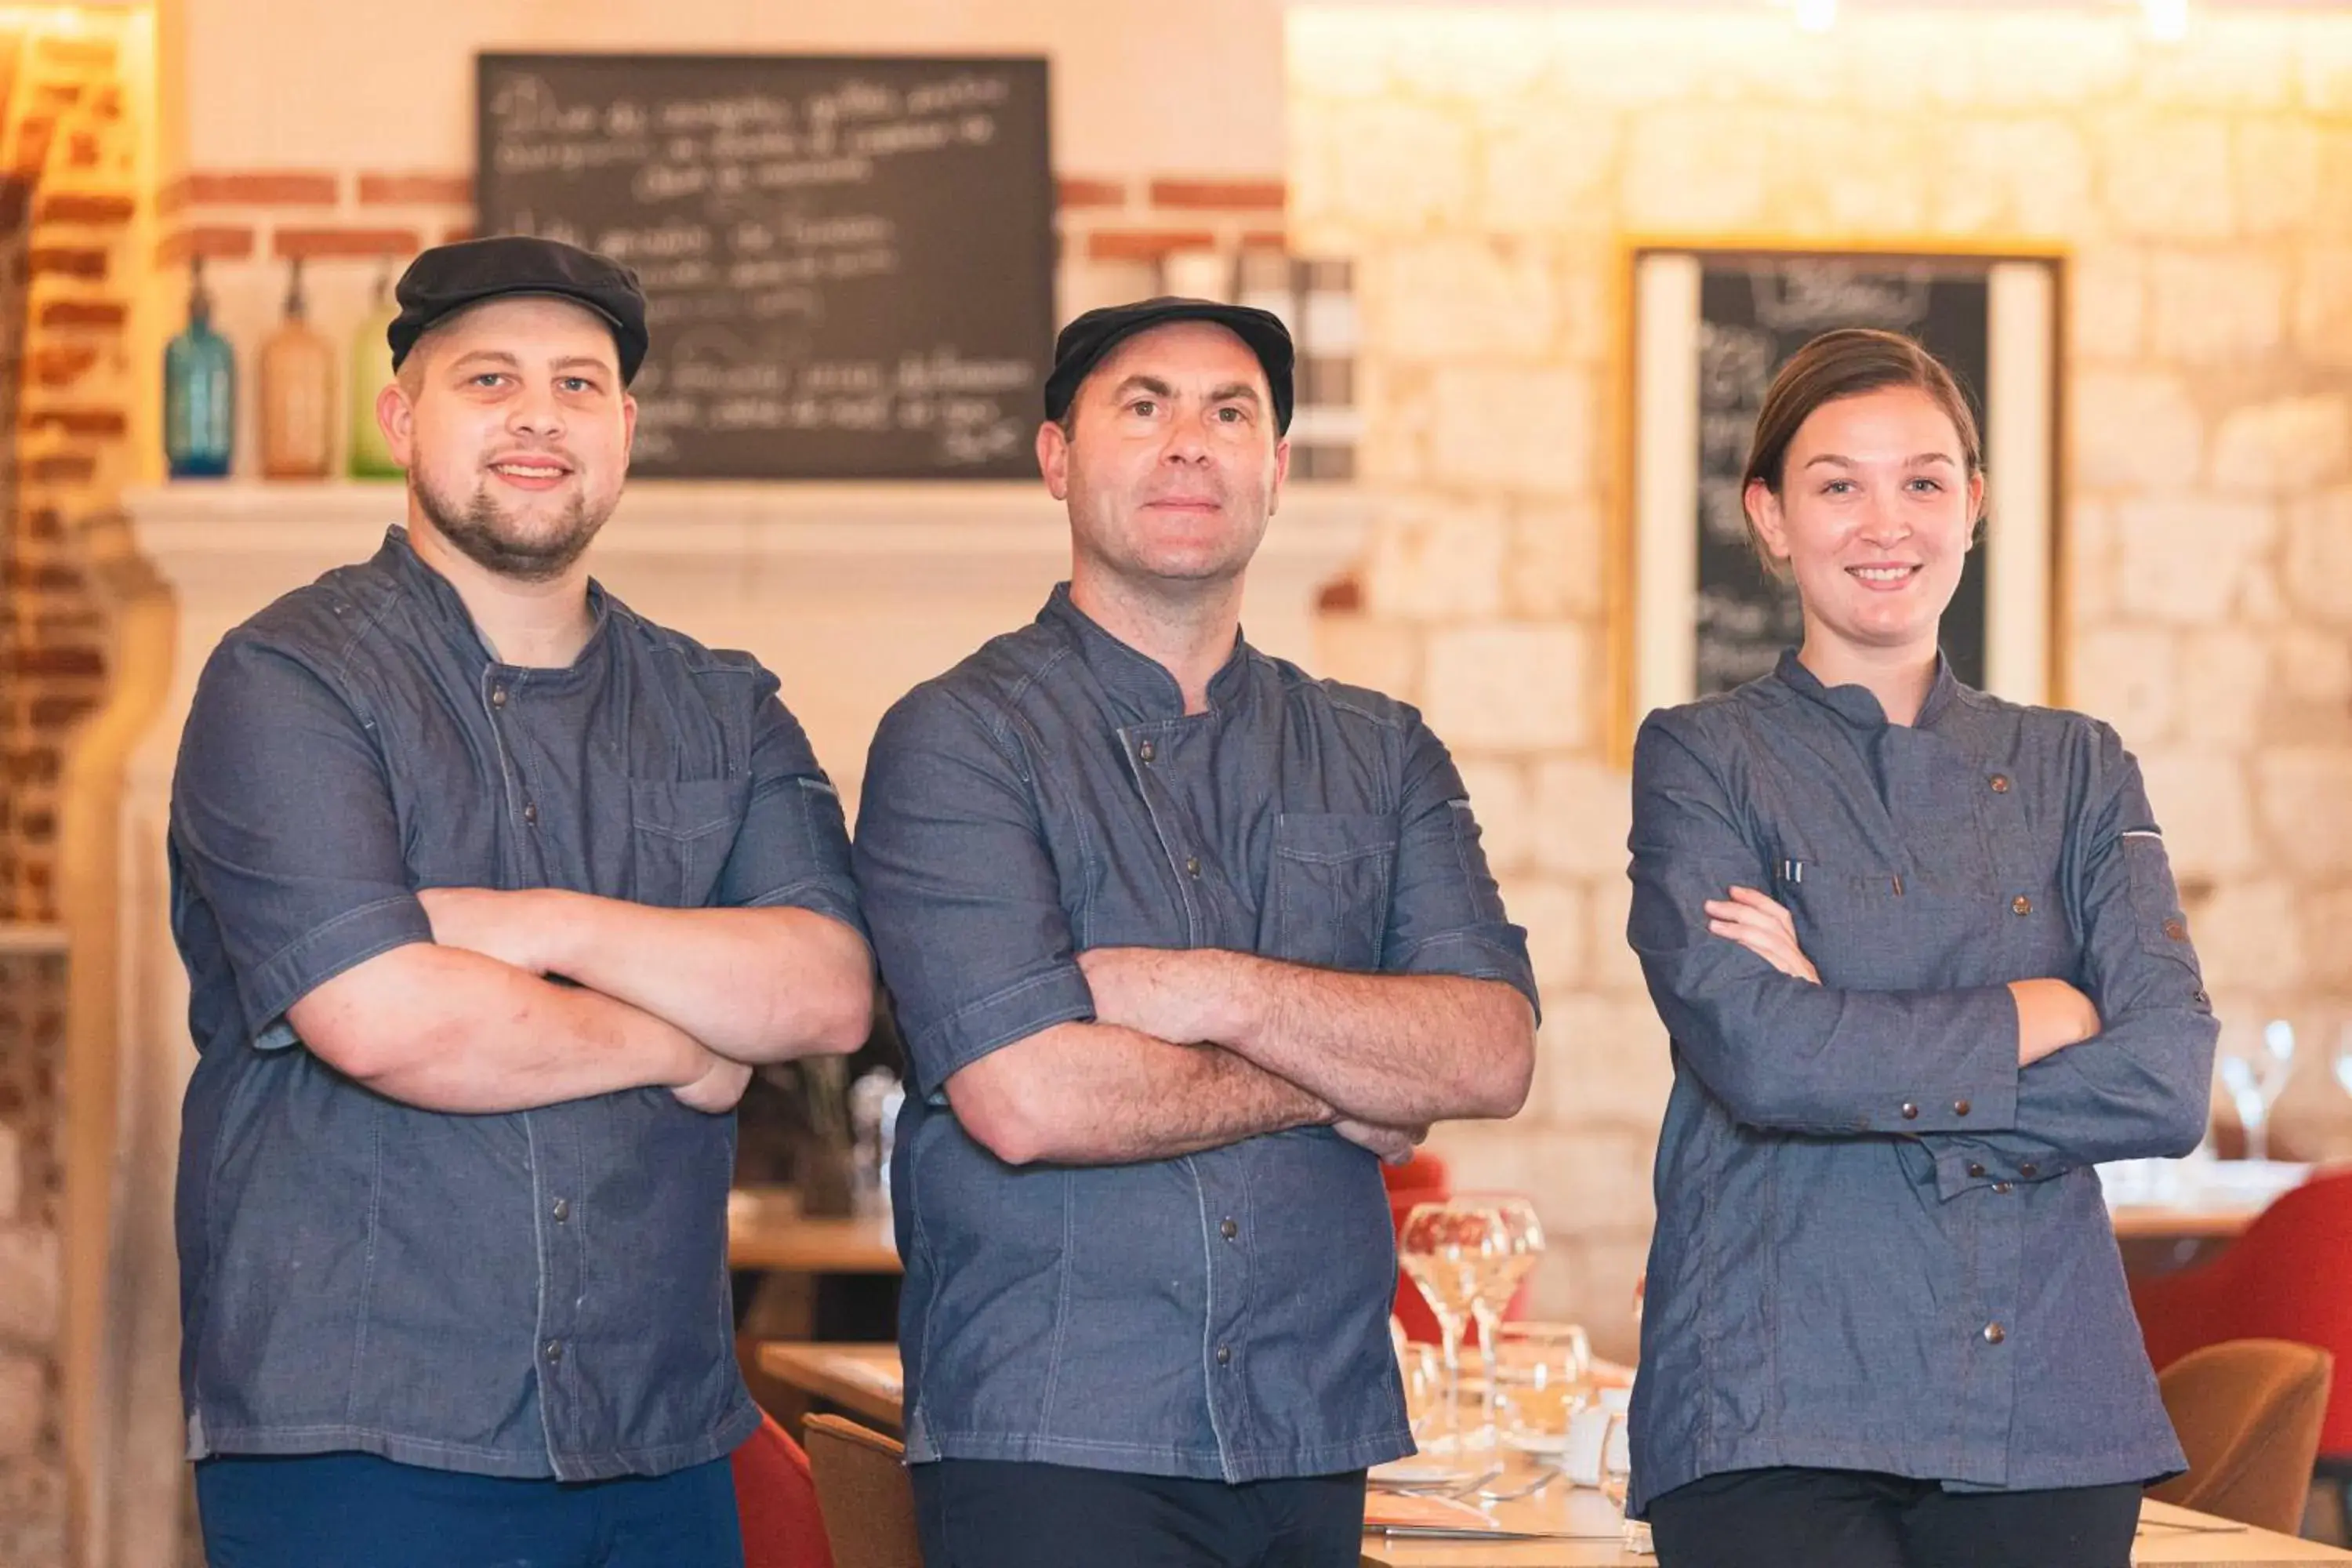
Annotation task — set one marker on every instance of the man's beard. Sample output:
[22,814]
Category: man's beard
[479,531]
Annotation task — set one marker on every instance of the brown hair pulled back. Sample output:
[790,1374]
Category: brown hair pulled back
[1847,363]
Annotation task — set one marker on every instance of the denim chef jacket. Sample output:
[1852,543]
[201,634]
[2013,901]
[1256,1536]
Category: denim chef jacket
[541,1293]
[1221,1316]
[1880,1245]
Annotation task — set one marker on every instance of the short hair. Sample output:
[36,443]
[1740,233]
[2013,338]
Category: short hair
[1847,363]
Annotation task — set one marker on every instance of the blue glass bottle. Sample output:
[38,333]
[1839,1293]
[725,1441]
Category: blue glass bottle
[199,391]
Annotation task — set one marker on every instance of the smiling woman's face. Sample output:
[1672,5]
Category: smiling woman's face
[1873,517]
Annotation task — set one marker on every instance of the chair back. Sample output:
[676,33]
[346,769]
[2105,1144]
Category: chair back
[2289,1277]
[2248,1415]
[862,1485]
[776,1500]
[1423,1176]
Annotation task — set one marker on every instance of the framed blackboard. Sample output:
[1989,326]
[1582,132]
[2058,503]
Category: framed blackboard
[1711,328]
[848,262]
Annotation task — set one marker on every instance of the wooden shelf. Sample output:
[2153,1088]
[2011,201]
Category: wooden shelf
[24,940]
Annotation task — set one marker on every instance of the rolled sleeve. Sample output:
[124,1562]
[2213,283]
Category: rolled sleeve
[283,826]
[1446,916]
[1782,1053]
[792,848]
[960,889]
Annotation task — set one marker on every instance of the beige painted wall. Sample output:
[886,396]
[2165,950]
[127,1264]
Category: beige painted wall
[1488,168]
[301,84]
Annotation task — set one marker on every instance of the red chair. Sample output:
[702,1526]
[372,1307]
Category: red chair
[1423,1175]
[2289,1277]
[776,1500]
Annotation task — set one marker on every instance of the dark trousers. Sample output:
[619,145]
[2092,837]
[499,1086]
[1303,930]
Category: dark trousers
[983,1513]
[355,1510]
[1762,1518]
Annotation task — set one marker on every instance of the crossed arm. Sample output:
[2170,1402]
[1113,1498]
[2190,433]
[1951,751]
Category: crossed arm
[1131,1053]
[690,1000]
[1196,1048]
[2035,1077]
[284,833]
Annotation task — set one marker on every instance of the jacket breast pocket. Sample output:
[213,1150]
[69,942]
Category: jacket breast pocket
[680,836]
[1327,889]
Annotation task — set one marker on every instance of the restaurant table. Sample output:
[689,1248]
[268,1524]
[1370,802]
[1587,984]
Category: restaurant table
[2169,1535]
[867,1380]
[2176,1214]
[765,1230]
[860,1378]
[2193,1199]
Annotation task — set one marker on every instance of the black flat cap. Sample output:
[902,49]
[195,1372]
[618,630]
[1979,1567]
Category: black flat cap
[449,277]
[1085,340]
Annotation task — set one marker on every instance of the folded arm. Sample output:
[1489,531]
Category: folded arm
[1095,1094]
[964,899]
[446,1029]
[1397,1050]
[2143,1087]
[756,986]
[1782,1052]
[1443,1029]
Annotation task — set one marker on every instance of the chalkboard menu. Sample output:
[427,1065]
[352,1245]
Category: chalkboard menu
[848,263]
[1755,310]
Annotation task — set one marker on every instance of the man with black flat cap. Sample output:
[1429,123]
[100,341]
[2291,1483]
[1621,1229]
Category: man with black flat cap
[1182,942]
[490,893]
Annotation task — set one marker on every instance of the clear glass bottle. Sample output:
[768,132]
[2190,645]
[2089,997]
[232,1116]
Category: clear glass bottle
[199,391]
[298,395]
[371,368]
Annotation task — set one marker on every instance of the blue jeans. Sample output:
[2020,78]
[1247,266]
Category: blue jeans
[355,1510]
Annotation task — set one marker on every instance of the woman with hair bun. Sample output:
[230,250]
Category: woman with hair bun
[1923,962]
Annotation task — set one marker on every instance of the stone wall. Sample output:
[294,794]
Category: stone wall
[1488,169]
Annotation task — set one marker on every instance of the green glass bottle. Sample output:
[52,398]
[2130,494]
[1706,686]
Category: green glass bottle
[371,368]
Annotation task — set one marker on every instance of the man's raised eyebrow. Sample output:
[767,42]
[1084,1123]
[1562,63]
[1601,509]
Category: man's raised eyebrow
[1140,383]
[1234,392]
[496,356]
[592,360]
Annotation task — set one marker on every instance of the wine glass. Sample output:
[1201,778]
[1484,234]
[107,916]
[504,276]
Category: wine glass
[2344,1057]
[2272,1069]
[1545,1369]
[2255,1073]
[1445,1248]
[1520,1237]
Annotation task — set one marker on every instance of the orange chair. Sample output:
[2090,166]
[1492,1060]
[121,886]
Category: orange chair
[775,1496]
[2248,1415]
[2289,1277]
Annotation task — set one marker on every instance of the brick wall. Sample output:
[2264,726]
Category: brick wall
[1122,237]
[69,162]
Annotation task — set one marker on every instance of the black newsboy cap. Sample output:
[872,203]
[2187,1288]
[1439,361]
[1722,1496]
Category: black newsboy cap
[1085,340]
[449,277]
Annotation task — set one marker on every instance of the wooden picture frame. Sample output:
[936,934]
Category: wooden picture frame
[1707,325]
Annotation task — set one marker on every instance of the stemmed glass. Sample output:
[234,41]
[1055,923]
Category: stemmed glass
[1439,1247]
[1522,1235]
[2256,1075]
[2344,1057]
[1468,1254]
